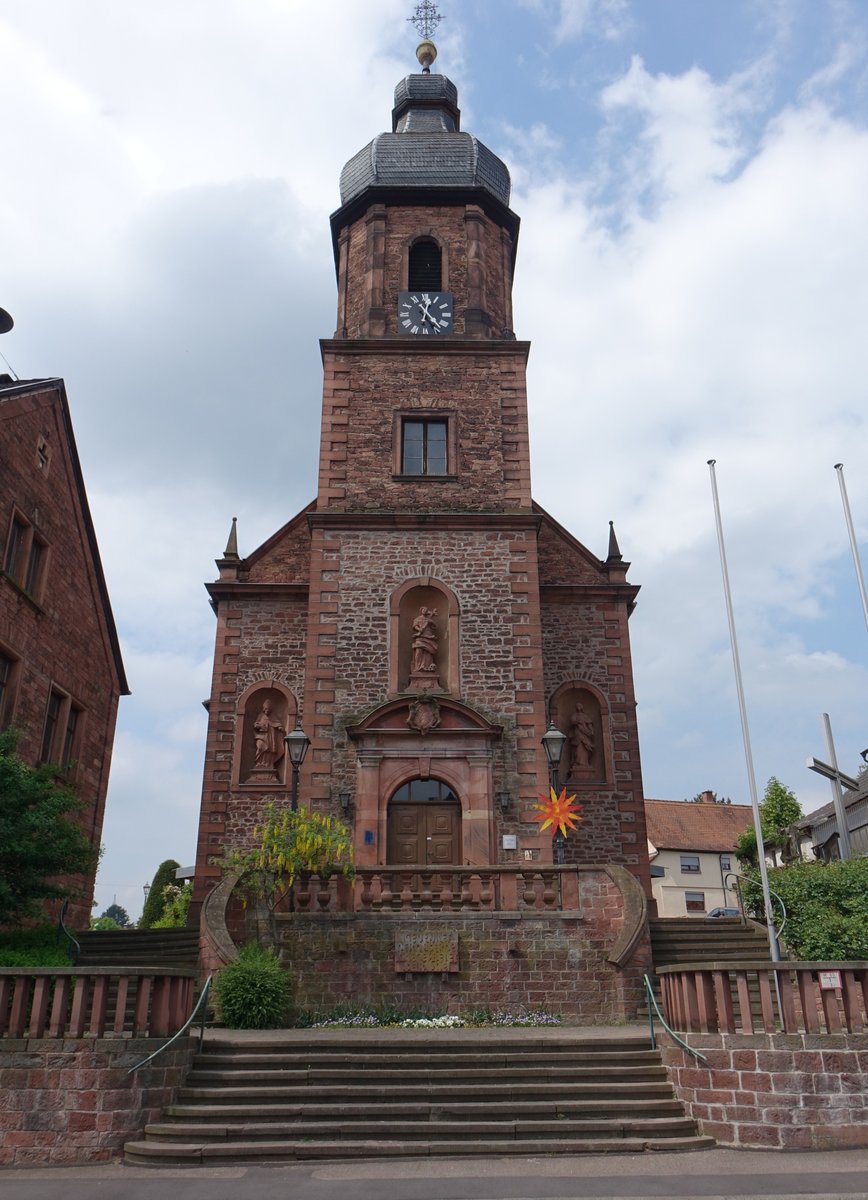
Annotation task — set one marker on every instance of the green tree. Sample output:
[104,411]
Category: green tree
[289,844]
[117,914]
[778,811]
[156,899]
[40,837]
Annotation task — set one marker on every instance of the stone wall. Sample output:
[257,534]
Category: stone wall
[775,1091]
[506,961]
[72,1101]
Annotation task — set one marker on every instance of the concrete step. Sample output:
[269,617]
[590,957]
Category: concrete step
[314,1059]
[423,1091]
[445,1076]
[154,1153]
[190,1131]
[539,1109]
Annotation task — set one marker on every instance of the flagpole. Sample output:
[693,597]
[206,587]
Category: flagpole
[860,578]
[774,949]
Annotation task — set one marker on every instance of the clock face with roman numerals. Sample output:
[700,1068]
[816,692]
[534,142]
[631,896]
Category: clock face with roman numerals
[422,314]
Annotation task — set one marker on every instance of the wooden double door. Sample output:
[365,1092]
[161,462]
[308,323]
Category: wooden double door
[424,834]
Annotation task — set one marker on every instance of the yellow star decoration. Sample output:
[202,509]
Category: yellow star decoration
[559,811]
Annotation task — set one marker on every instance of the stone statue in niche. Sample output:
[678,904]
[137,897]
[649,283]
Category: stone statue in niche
[583,740]
[424,645]
[267,740]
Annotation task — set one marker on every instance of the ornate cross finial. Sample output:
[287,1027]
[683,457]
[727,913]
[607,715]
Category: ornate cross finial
[426,18]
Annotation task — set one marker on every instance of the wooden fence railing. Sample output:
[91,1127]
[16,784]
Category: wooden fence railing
[451,889]
[751,997]
[67,1002]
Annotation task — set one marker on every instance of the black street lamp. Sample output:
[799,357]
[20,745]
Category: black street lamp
[553,743]
[296,744]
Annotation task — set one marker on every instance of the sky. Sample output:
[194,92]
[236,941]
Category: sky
[691,177]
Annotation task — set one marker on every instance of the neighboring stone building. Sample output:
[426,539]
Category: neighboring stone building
[691,848]
[61,672]
[423,618]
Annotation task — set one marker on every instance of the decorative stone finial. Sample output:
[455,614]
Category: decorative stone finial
[426,18]
[615,554]
[231,550]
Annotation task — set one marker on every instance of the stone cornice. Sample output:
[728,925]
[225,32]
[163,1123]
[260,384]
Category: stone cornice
[405,346]
[423,520]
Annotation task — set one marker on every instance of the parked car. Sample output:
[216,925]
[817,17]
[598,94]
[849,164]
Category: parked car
[723,912]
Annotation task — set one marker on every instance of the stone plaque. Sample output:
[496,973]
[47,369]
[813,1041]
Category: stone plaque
[419,952]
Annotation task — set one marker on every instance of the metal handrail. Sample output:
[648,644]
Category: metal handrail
[74,949]
[737,877]
[652,999]
[200,1003]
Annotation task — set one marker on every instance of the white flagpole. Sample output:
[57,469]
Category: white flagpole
[860,578]
[774,949]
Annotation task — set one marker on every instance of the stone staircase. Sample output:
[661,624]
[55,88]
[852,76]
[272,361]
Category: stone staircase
[677,940]
[139,948]
[295,1094]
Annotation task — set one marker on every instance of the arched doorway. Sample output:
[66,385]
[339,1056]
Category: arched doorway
[424,825]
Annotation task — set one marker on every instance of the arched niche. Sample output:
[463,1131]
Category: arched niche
[266,711]
[423,618]
[579,710]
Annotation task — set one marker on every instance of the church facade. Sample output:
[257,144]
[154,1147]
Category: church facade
[423,620]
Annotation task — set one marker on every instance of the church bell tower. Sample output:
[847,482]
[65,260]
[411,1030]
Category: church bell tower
[423,620]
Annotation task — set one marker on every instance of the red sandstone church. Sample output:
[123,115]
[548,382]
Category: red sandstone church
[423,620]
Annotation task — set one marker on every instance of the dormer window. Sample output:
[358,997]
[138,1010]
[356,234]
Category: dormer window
[425,267]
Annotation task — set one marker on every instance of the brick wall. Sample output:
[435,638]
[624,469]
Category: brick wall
[59,637]
[73,1102]
[775,1091]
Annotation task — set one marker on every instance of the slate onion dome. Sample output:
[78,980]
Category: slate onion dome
[426,148]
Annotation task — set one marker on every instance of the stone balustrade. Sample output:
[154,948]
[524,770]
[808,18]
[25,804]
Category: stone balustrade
[752,997]
[450,889]
[100,1002]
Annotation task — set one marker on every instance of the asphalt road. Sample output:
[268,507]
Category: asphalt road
[717,1174]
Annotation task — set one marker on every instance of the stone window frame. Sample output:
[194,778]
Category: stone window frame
[453,619]
[62,732]
[10,671]
[409,413]
[293,708]
[25,558]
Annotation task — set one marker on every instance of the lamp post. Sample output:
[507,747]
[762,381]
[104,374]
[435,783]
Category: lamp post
[146,887]
[296,744]
[553,742]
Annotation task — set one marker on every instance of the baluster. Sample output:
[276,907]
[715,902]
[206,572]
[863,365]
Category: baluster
[23,986]
[324,893]
[387,895]
[447,895]
[406,897]
[39,1007]
[486,891]
[302,895]
[466,894]
[550,895]
[425,894]
[437,891]
[528,894]
[366,898]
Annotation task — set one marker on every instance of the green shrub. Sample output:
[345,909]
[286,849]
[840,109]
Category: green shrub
[254,992]
[38,947]
[176,905]
[827,908]
[103,923]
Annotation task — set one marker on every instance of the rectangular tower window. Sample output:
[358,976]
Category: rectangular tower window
[52,720]
[14,560]
[6,668]
[424,448]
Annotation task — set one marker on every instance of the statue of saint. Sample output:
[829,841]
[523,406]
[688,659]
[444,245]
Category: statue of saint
[267,737]
[583,737]
[425,642]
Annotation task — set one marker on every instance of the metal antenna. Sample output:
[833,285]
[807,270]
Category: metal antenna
[426,18]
